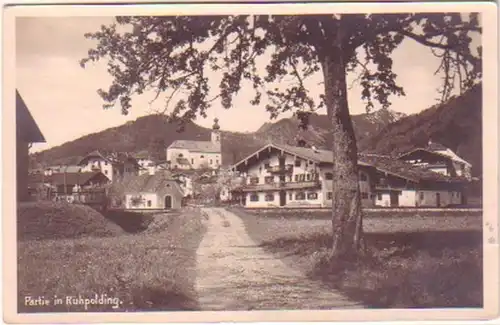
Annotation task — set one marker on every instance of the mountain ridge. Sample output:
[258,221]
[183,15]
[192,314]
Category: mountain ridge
[456,124]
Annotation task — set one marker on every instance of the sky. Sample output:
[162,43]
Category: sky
[63,99]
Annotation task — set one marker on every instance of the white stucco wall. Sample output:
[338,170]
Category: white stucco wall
[383,200]
[306,167]
[429,198]
[152,197]
[196,159]
[407,198]
[105,167]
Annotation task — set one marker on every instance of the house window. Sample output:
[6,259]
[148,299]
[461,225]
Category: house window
[379,196]
[267,165]
[308,177]
[254,180]
[363,177]
[290,196]
[269,197]
[105,163]
[312,196]
[364,195]
[329,195]
[202,156]
[296,178]
[192,161]
[217,161]
[421,196]
[254,197]
[300,196]
[289,178]
[328,176]
[105,172]
[269,179]
[302,177]
[181,155]
[211,161]
[149,203]
[297,163]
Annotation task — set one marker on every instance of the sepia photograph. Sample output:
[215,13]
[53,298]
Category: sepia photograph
[333,158]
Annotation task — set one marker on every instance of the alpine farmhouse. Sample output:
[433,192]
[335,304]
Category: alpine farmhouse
[189,154]
[290,176]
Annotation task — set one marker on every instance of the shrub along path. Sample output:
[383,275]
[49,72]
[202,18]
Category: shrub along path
[233,273]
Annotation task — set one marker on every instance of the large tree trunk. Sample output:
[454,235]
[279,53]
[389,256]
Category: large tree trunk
[346,205]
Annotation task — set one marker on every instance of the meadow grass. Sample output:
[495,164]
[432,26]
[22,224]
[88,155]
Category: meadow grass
[151,269]
[411,262]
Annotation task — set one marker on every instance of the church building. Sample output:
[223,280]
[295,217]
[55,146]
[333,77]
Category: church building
[189,154]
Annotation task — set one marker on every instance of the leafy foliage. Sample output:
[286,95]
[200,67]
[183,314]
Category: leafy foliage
[172,54]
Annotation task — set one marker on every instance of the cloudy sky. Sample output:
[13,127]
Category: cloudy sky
[63,100]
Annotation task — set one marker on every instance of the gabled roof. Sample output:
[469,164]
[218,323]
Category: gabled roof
[94,154]
[404,170]
[447,154]
[158,182]
[319,156]
[75,178]
[384,164]
[26,127]
[196,146]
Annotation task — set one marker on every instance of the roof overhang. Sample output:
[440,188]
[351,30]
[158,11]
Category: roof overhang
[268,147]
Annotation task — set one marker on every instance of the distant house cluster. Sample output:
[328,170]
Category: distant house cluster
[276,175]
[98,169]
[293,176]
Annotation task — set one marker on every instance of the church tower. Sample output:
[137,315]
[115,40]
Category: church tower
[216,132]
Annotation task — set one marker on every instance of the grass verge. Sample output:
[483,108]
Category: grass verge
[57,220]
[411,263]
[151,270]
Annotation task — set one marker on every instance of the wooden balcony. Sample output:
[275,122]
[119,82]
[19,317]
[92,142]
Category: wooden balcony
[280,186]
[287,169]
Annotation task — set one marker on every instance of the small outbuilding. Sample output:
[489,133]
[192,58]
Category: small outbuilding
[153,192]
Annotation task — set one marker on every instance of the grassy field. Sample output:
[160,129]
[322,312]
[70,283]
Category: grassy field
[150,265]
[419,261]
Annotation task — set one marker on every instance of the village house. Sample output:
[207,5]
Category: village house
[440,159]
[70,186]
[397,183]
[27,133]
[190,154]
[289,176]
[112,166]
[153,192]
[146,164]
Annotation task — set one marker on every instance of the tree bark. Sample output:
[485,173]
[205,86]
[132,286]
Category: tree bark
[346,201]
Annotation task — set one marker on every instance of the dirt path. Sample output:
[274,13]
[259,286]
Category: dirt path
[233,273]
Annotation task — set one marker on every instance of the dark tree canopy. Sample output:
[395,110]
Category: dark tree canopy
[173,54]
